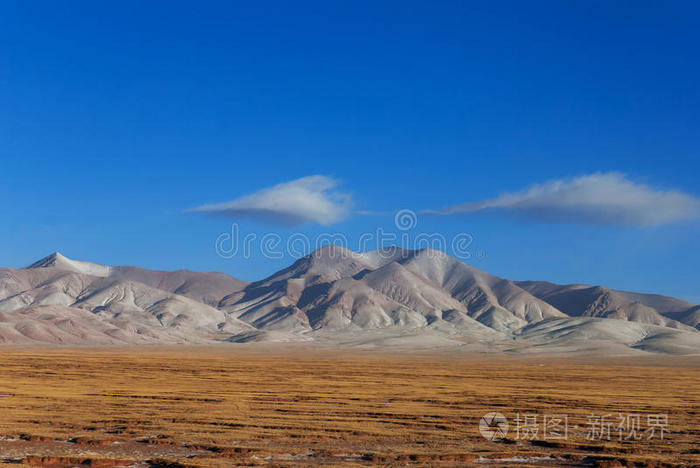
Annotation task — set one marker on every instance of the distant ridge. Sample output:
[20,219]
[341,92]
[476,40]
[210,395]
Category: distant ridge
[388,297]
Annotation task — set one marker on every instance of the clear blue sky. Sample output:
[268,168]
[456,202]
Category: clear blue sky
[116,117]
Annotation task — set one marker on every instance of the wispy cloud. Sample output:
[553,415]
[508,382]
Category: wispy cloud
[312,199]
[603,198]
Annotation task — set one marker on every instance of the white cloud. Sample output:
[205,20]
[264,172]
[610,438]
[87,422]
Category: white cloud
[309,199]
[607,198]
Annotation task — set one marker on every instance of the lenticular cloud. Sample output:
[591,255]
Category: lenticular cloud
[312,199]
[603,198]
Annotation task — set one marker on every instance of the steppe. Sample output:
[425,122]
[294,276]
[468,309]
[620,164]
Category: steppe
[296,405]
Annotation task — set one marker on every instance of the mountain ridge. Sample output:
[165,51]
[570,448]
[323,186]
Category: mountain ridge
[328,296]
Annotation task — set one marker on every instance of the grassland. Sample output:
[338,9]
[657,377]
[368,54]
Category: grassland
[208,407]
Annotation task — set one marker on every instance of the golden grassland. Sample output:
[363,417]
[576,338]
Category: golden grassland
[227,406]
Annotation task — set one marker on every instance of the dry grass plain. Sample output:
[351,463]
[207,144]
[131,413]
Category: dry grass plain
[229,406]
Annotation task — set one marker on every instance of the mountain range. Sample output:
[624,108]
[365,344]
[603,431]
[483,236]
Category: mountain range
[383,298]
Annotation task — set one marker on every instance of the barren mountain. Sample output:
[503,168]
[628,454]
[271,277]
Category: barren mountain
[209,288]
[389,297]
[597,301]
[127,304]
[690,317]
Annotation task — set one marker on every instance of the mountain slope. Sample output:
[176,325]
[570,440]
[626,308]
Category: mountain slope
[497,302]
[147,306]
[209,288]
[597,301]
[379,298]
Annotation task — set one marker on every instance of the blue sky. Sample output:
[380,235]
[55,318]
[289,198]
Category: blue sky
[116,118]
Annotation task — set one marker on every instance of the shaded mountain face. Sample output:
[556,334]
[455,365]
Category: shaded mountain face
[340,289]
[597,301]
[332,293]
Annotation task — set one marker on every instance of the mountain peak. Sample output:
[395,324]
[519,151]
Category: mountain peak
[332,251]
[49,261]
[59,261]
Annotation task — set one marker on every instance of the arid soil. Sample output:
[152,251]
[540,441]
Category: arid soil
[296,406]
